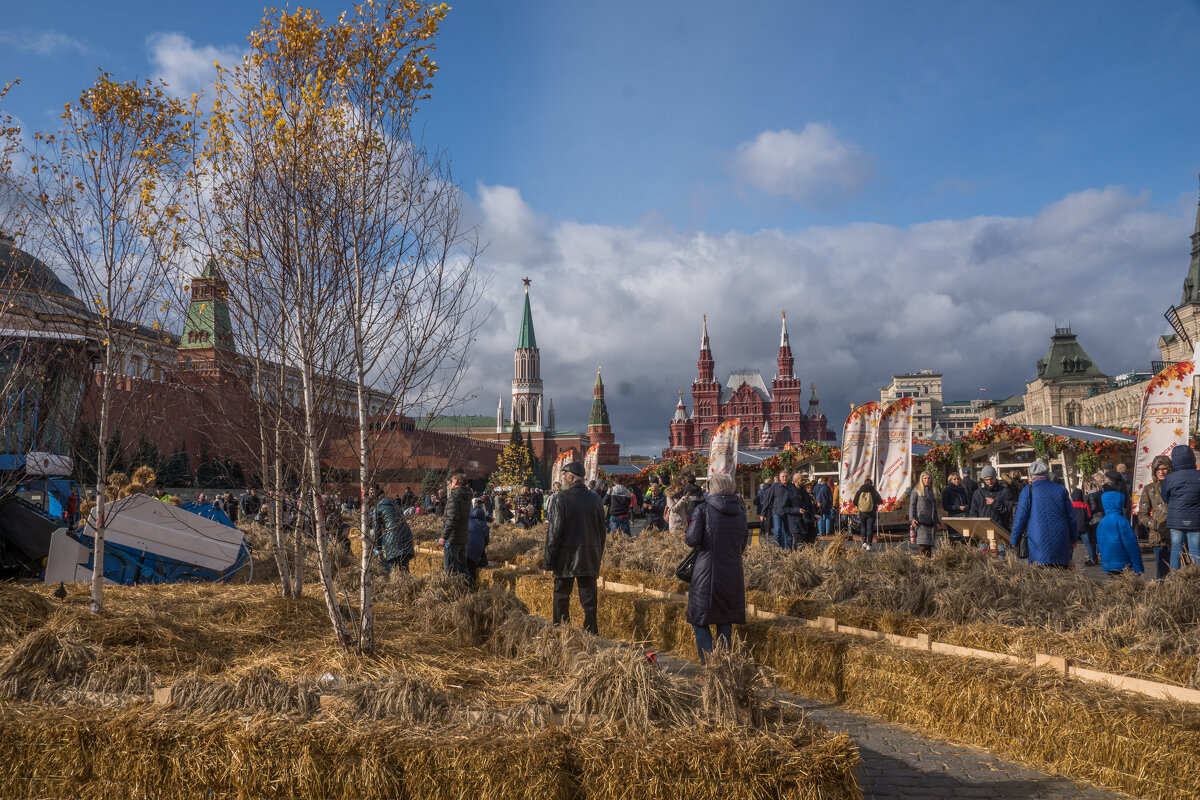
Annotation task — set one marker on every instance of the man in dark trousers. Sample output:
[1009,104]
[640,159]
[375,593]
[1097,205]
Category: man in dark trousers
[575,545]
[455,520]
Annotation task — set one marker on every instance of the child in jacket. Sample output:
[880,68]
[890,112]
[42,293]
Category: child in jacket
[1118,543]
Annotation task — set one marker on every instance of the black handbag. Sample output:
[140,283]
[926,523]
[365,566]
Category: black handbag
[1023,545]
[684,571]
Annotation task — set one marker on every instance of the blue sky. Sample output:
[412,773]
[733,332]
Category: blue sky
[920,185]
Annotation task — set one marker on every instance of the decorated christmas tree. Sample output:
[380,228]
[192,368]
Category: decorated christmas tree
[514,467]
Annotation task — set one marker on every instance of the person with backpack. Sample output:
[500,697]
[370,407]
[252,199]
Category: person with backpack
[867,501]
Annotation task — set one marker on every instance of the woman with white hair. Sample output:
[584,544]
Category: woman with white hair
[719,533]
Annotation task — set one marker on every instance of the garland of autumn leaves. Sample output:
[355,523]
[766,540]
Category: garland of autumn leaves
[697,462]
[939,457]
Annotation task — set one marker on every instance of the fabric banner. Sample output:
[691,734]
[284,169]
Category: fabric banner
[723,449]
[893,462]
[591,463]
[1166,414]
[858,453]
[564,458]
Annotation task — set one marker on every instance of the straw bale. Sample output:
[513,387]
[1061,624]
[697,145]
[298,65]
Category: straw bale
[400,697]
[474,616]
[513,637]
[732,688]
[620,686]
[259,689]
[50,654]
[511,543]
[152,753]
[703,764]
[20,611]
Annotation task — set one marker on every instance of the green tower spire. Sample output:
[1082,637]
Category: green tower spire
[208,324]
[599,417]
[526,338]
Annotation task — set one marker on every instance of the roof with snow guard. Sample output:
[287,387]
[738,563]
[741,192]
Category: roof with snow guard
[747,376]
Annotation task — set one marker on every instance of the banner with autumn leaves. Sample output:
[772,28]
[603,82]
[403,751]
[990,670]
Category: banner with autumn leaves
[859,447]
[1166,411]
[893,459]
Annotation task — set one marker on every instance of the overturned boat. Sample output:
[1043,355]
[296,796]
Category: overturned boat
[149,541]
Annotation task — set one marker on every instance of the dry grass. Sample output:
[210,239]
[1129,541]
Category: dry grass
[1145,747]
[259,689]
[619,686]
[961,596]
[467,695]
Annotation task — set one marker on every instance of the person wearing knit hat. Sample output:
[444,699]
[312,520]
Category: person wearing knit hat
[1152,513]
[992,499]
[1046,518]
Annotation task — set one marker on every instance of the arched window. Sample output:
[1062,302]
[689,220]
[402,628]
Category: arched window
[785,435]
[704,437]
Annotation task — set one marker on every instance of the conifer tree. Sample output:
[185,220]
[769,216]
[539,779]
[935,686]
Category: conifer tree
[514,466]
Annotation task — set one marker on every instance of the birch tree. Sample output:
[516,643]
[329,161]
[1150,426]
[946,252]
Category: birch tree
[103,200]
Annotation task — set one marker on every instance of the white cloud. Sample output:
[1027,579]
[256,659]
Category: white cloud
[186,68]
[511,230]
[808,166]
[975,298]
[42,43]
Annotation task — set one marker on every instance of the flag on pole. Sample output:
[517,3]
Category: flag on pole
[1166,416]
[859,438]
[723,449]
[893,464]
[591,463]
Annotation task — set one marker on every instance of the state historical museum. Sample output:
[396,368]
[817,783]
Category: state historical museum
[770,418]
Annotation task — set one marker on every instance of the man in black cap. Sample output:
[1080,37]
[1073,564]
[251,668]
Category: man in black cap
[575,545]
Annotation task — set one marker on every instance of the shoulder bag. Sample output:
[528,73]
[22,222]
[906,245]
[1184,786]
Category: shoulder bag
[1023,545]
[684,571]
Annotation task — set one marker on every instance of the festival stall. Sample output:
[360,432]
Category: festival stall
[1073,453]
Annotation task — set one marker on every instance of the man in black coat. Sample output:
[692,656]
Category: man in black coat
[455,521]
[992,499]
[575,545]
[777,500]
[968,484]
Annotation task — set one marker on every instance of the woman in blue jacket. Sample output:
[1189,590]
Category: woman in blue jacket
[1046,517]
[1118,543]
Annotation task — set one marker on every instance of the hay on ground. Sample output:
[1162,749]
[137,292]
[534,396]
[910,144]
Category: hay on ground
[259,689]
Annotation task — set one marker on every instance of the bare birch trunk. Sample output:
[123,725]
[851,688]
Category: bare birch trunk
[97,604]
[313,457]
[366,637]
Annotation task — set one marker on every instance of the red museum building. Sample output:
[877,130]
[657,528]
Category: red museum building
[770,418]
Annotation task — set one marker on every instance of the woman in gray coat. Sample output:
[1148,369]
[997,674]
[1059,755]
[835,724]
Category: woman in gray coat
[923,514]
[717,595]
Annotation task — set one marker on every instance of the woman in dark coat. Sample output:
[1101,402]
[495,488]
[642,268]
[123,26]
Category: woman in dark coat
[717,595]
[923,514]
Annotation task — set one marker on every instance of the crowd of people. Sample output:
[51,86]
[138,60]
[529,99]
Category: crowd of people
[1046,522]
